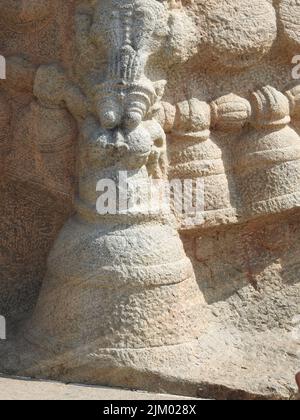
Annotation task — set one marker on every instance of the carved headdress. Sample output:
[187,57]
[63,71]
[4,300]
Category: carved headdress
[127,94]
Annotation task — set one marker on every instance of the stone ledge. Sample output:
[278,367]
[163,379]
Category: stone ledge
[26,389]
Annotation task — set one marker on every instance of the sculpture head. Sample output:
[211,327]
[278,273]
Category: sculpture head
[132,33]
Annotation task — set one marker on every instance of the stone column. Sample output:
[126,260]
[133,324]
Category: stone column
[119,288]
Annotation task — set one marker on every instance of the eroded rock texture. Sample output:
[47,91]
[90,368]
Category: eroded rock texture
[186,90]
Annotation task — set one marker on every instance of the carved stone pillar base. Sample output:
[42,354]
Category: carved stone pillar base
[111,293]
[177,368]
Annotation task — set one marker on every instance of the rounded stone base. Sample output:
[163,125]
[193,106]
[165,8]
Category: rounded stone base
[108,291]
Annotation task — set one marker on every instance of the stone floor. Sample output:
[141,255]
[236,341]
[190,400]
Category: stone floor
[24,389]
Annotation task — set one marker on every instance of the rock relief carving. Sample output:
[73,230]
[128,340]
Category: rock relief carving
[115,97]
[130,270]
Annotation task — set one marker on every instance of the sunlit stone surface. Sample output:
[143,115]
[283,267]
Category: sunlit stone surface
[196,90]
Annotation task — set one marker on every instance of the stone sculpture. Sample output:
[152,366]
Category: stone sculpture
[162,90]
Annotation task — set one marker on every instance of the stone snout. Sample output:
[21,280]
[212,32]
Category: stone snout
[123,122]
[121,148]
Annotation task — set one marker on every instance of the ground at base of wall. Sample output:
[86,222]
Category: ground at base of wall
[26,389]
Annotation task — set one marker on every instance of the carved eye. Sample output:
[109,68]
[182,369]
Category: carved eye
[109,110]
[109,119]
[136,109]
[133,119]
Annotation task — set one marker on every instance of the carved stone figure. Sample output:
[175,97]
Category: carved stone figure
[269,156]
[104,99]
[132,282]
[195,155]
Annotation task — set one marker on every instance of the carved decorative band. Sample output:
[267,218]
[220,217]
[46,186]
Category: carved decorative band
[265,109]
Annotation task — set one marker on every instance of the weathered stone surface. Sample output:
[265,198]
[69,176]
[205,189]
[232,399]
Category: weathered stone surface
[200,305]
[289,14]
[239,32]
